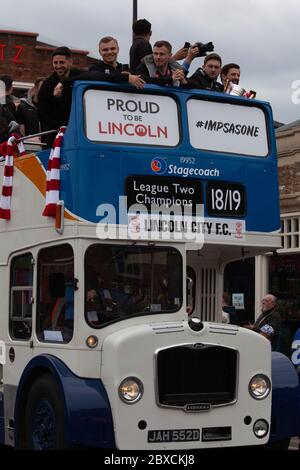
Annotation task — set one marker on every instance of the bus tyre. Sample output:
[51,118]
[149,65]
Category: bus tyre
[279,445]
[44,416]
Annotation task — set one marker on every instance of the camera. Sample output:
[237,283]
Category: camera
[202,48]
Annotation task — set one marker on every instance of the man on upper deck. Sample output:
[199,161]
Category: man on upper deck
[206,76]
[231,73]
[140,46]
[109,65]
[159,68]
[109,50]
[54,108]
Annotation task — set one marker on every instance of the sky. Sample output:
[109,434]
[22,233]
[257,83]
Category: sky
[260,35]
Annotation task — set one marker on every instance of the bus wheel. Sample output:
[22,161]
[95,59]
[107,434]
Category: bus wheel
[279,445]
[44,416]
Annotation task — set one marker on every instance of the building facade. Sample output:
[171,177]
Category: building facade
[25,58]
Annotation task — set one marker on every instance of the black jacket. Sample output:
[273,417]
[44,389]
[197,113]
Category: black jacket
[54,112]
[139,49]
[98,77]
[101,66]
[201,80]
[27,114]
[271,319]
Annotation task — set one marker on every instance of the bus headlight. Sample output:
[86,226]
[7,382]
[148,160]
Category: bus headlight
[260,428]
[259,386]
[131,390]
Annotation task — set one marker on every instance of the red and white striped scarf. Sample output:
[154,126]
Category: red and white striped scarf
[53,176]
[5,200]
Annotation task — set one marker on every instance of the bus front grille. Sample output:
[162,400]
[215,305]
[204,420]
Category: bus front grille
[201,374]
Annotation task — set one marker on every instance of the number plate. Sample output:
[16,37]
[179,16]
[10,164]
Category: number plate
[174,435]
[226,199]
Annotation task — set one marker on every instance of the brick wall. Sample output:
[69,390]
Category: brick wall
[289,178]
[25,58]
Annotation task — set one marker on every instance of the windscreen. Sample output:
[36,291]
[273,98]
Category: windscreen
[122,281]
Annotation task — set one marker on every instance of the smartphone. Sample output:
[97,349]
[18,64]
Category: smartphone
[187,45]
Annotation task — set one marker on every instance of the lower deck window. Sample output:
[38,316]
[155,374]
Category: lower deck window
[55,305]
[20,316]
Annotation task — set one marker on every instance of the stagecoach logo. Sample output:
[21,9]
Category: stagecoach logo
[197,407]
[159,166]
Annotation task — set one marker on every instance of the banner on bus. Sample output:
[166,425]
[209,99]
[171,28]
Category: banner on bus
[131,118]
[193,229]
[165,222]
[230,128]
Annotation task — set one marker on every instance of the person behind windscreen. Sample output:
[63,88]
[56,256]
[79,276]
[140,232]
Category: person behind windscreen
[206,76]
[269,321]
[228,311]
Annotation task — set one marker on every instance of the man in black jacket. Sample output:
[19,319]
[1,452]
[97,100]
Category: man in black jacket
[54,106]
[269,321]
[9,102]
[109,65]
[206,77]
[140,46]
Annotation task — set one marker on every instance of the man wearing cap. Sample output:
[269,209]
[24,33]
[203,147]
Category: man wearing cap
[269,322]
[53,107]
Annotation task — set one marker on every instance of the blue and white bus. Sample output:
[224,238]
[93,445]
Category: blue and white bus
[97,348]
